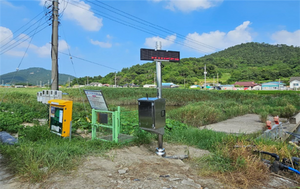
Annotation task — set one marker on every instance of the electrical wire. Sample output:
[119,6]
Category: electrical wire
[123,22]
[149,24]
[23,32]
[71,59]
[20,62]
[18,42]
[88,61]
[21,27]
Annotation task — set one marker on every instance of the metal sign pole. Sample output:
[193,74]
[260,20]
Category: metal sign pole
[160,150]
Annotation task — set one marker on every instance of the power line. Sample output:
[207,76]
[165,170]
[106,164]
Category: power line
[20,62]
[18,42]
[87,60]
[22,27]
[149,24]
[123,22]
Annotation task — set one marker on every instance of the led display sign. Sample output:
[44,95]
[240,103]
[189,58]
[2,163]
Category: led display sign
[152,54]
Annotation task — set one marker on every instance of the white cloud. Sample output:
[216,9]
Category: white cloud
[101,44]
[45,50]
[10,46]
[212,41]
[5,35]
[190,5]
[81,13]
[285,37]
[168,41]
[17,46]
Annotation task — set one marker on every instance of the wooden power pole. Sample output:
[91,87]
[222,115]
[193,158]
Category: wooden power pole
[54,46]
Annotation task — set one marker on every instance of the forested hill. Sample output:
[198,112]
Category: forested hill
[257,62]
[32,76]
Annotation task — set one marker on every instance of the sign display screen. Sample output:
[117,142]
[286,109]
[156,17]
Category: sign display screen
[56,120]
[96,99]
[152,54]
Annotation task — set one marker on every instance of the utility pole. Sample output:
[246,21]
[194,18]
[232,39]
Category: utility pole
[54,47]
[217,79]
[205,76]
[279,85]
[115,79]
[184,82]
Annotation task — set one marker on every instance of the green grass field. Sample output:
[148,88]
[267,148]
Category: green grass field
[38,148]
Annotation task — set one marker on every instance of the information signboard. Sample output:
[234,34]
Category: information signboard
[96,99]
[152,54]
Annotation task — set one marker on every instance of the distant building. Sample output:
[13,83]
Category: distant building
[195,86]
[248,85]
[257,87]
[169,85]
[131,85]
[227,87]
[295,82]
[274,85]
[19,86]
[149,86]
[96,84]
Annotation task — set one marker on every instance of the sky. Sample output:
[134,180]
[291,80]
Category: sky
[99,37]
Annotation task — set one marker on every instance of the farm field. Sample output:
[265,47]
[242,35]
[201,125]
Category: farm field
[38,148]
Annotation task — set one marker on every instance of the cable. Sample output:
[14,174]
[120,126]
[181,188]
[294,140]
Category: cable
[88,61]
[13,46]
[21,27]
[20,62]
[23,32]
[142,21]
[87,118]
[135,27]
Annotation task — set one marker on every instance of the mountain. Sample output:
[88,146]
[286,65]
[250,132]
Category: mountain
[33,76]
[259,62]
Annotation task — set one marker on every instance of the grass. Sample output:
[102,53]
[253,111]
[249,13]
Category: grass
[40,153]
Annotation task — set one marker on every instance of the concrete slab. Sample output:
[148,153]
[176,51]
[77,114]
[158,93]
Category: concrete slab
[249,123]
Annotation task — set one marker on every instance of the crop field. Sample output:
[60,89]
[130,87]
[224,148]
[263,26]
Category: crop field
[38,148]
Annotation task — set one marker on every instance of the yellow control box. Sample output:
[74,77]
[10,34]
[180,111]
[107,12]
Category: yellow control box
[60,117]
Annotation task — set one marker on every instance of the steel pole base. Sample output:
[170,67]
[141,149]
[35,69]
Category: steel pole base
[161,152]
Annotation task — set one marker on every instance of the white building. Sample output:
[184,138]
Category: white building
[149,86]
[295,82]
[96,84]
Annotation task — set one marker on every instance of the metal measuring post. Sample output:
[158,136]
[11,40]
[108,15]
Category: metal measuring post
[159,150]
[152,110]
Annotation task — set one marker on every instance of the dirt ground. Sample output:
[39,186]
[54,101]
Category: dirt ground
[133,167]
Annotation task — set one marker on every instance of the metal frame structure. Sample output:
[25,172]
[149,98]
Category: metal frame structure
[115,127]
[116,124]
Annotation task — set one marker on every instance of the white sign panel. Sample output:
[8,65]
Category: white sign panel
[96,99]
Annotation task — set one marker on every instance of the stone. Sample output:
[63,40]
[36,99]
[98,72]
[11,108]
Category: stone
[122,171]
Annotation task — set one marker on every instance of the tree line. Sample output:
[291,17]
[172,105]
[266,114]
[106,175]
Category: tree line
[259,62]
